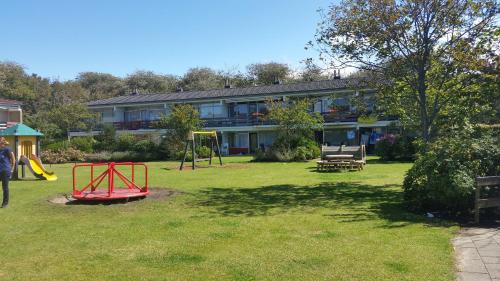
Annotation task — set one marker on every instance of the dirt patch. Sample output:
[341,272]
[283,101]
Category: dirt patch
[155,193]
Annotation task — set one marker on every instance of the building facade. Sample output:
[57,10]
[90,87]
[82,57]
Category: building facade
[238,114]
[11,113]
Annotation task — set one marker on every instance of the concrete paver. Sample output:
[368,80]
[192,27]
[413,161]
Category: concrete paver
[477,254]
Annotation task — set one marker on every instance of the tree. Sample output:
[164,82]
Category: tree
[424,49]
[268,73]
[61,118]
[101,85]
[68,92]
[312,72]
[148,82]
[16,84]
[183,119]
[294,119]
[202,78]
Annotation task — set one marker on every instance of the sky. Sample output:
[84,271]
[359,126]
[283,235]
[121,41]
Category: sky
[59,39]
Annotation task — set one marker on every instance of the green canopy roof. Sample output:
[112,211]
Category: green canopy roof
[20,130]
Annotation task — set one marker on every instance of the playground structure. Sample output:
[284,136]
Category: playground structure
[25,144]
[36,167]
[92,192]
[192,138]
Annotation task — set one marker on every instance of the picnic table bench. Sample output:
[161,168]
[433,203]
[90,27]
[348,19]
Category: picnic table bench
[341,158]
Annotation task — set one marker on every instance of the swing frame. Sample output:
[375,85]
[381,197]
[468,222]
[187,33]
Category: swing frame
[192,138]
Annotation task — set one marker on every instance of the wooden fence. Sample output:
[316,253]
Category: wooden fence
[485,202]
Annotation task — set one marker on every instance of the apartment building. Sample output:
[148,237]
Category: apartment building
[239,114]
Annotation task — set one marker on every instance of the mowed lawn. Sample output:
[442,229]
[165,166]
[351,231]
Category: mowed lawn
[243,221]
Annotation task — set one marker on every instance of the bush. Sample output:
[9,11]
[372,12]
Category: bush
[282,151]
[62,156]
[443,178]
[58,145]
[201,152]
[132,156]
[392,147]
[144,146]
[125,142]
[85,144]
[106,140]
[103,156]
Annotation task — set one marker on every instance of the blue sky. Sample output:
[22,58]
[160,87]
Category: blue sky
[59,39]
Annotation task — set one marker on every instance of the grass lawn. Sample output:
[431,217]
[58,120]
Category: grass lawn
[243,221]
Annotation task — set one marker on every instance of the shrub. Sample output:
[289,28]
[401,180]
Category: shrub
[144,146]
[85,144]
[106,140]
[443,178]
[201,152]
[125,142]
[282,151]
[62,156]
[103,156]
[392,147]
[58,145]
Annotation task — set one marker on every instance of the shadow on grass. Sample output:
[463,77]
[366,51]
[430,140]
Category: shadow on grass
[104,202]
[380,161]
[344,202]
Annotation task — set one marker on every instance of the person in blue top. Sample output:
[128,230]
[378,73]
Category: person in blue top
[7,161]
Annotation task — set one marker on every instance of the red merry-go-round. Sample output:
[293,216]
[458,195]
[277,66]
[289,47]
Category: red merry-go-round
[96,190]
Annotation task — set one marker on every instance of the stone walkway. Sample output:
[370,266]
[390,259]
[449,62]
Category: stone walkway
[477,252]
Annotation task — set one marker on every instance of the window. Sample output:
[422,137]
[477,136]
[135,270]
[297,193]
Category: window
[212,110]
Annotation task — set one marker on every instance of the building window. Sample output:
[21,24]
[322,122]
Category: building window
[212,110]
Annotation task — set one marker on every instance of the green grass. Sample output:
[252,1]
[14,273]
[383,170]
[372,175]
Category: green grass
[243,221]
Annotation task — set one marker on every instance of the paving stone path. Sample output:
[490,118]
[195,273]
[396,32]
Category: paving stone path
[477,252]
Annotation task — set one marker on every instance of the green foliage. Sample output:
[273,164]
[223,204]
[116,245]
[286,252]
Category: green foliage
[58,145]
[62,156]
[280,151]
[84,144]
[434,54]
[150,82]
[106,140]
[202,78]
[183,119]
[395,147]
[102,156]
[294,120]
[267,73]
[442,179]
[101,85]
[144,146]
[201,152]
[125,142]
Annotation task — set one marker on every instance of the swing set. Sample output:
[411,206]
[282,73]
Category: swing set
[191,138]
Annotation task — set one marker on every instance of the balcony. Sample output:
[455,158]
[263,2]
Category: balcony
[337,117]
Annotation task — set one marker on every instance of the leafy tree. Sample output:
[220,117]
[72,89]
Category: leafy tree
[203,78]
[149,82]
[101,85]
[16,84]
[267,73]
[312,72]
[106,140]
[60,119]
[294,119]
[427,50]
[183,119]
[67,92]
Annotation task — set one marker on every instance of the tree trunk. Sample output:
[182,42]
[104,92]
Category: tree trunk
[424,116]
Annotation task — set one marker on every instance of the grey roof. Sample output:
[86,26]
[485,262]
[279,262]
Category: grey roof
[279,89]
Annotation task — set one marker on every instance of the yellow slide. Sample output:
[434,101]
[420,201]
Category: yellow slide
[37,169]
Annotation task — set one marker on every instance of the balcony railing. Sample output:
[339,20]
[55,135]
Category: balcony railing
[238,122]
